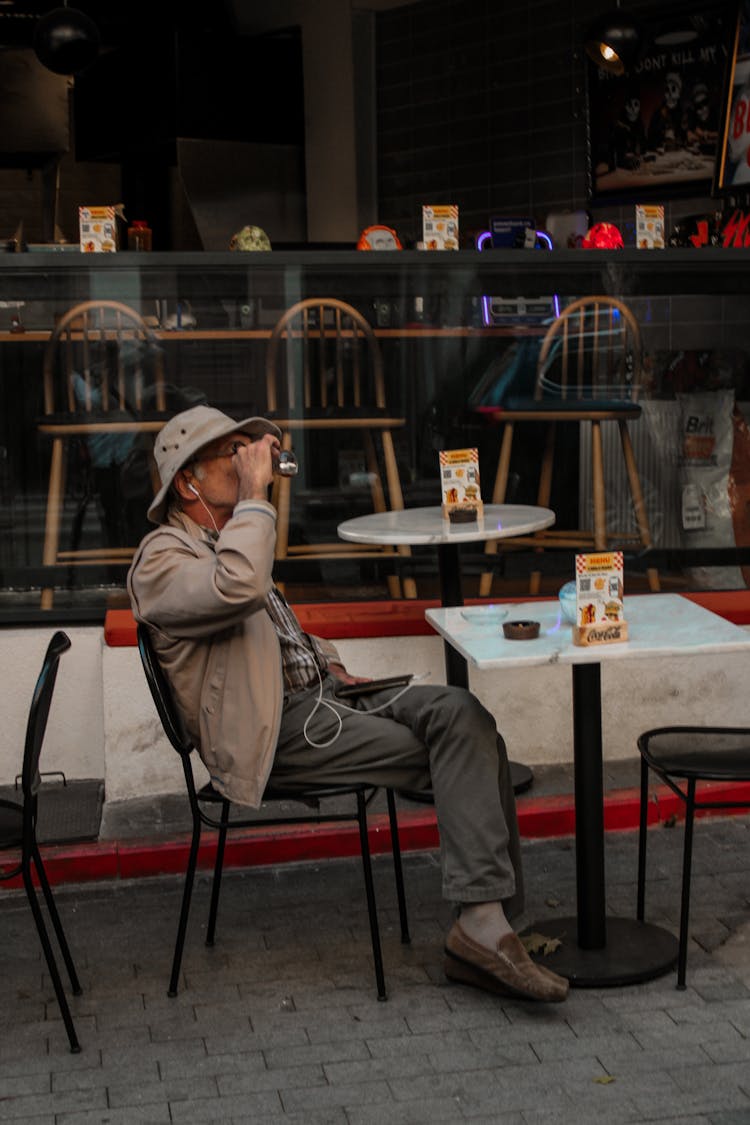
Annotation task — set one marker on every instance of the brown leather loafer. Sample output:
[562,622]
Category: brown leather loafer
[509,970]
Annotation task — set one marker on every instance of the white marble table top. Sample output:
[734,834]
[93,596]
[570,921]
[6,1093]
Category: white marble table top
[658,625]
[417,526]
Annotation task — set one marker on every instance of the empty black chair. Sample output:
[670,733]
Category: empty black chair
[681,757]
[18,830]
[201,800]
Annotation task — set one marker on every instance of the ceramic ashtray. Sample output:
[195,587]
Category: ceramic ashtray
[521,630]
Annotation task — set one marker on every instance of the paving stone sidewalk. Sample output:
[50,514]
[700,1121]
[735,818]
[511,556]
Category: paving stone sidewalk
[279,1022]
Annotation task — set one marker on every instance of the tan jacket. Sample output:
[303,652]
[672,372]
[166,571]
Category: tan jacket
[204,602]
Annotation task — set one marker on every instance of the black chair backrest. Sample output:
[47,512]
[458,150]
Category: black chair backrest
[39,713]
[161,693]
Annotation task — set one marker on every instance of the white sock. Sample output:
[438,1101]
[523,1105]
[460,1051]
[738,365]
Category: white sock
[484,922]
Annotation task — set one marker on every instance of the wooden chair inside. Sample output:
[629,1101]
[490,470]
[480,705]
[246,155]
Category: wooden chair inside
[103,380]
[324,373]
[589,370]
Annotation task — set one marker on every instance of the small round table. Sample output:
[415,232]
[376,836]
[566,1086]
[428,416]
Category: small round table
[427,527]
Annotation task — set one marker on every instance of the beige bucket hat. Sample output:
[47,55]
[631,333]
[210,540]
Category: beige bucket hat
[185,435]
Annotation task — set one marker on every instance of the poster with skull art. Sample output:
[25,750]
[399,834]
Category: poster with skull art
[654,132]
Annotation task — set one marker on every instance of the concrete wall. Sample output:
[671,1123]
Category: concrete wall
[103,723]
[75,732]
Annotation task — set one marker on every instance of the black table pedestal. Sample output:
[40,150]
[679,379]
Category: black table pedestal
[456,672]
[633,952]
[598,951]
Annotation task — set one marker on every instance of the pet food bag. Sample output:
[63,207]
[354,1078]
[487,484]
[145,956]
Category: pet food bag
[706,446]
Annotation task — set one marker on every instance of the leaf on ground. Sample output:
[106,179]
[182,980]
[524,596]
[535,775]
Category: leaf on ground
[553,903]
[540,943]
[605,1079]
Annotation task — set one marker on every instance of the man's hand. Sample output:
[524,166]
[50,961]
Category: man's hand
[254,467]
[339,671]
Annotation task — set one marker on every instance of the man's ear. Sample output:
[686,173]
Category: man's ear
[180,483]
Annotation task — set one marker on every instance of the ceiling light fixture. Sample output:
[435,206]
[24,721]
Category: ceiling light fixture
[613,41]
[676,32]
[66,40]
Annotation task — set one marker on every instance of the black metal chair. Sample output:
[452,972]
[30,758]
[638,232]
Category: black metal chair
[18,830]
[310,795]
[419,797]
[688,755]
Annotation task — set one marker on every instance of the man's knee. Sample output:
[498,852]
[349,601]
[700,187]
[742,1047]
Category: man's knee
[467,707]
[462,712]
[473,716]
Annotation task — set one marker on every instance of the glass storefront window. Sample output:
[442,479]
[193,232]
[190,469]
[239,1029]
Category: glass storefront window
[455,331]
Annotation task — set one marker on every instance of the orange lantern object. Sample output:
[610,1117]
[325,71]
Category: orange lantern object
[379,238]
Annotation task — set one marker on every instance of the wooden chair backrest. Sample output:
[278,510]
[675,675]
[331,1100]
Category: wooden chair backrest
[591,350]
[115,355]
[323,354]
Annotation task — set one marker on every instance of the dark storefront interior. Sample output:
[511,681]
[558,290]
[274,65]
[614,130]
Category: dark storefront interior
[203,121]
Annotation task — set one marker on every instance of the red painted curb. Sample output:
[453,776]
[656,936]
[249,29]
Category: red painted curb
[538,818]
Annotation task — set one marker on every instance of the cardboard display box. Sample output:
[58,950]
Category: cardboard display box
[98,229]
[600,616]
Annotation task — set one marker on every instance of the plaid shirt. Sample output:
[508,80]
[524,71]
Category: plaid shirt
[300,655]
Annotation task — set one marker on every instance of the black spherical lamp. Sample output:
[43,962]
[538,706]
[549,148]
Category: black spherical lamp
[66,40]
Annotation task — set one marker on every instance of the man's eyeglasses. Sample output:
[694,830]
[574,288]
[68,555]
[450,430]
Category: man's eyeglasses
[230,452]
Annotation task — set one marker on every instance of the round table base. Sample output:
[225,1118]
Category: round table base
[521,777]
[635,952]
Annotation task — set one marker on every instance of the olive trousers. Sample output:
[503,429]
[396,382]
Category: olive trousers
[426,737]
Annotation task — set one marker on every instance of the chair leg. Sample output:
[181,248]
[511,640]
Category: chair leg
[544,493]
[49,956]
[642,829]
[687,863]
[53,517]
[76,531]
[639,507]
[377,495]
[396,499]
[372,909]
[498,497]
[56,923]
[597,488]
[397,868]
[218,869]
[185,909]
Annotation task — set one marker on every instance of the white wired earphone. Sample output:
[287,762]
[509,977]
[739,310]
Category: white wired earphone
[320,701]
[201,501]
